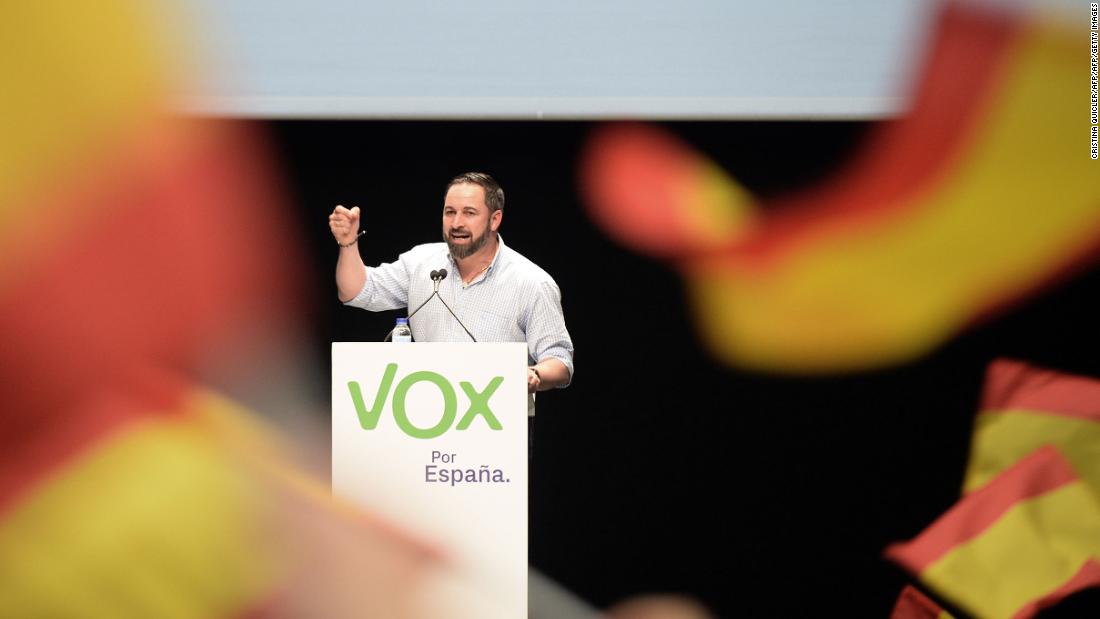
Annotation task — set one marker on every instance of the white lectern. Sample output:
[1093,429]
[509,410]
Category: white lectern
[433,437]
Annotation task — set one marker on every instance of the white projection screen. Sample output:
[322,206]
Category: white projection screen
[562,59]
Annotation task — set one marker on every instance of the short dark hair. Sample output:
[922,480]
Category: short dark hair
[494,195]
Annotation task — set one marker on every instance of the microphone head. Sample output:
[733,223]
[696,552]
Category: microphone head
[442,274]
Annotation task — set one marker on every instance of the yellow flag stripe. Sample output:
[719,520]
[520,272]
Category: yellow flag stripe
[1029,552]
[718,209]
[1002,438]
[75,74]
[158,522]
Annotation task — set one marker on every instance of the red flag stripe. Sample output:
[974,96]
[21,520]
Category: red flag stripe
[1013,385]
[186,249]
[1039,473]
[912,604]
[41,445]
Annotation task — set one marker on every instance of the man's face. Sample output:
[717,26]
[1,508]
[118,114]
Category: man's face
[466,221]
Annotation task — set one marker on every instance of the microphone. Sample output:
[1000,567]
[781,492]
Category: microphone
[437,277]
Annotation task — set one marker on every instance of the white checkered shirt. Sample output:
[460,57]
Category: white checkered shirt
[512,301]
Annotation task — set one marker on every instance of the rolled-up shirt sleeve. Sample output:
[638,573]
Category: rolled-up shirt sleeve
[546,333]
[386,286]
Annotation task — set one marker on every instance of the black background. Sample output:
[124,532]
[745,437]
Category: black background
[660,469]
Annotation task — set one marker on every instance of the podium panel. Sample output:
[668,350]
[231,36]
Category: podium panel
[433,438]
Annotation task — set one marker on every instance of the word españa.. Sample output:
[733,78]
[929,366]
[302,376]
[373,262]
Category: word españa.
[479,403]
[434,473]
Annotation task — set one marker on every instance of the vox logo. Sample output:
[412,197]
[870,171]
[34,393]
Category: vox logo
[479,403]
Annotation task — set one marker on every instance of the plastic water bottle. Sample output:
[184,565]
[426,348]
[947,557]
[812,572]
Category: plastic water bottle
[402,332]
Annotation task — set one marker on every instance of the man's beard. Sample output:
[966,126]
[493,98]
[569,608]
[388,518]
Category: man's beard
[460,251]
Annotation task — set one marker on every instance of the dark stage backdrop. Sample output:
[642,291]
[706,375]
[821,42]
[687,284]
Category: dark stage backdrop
[659,469]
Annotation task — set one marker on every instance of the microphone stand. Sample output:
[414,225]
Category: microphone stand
[437,277]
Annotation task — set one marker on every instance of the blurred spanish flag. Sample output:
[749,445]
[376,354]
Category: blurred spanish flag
[1023,542]
[1027,532]
[1025,407]
[134,246]
[981,193]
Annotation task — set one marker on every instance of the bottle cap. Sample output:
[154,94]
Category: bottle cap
[402,321]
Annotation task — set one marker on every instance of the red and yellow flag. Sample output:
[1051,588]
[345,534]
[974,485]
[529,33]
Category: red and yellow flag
[1024,541]
[138,250]
[1025,407]
[134,508]
[983,193]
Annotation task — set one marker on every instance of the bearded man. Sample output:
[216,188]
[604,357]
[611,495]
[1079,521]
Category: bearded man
[495,292]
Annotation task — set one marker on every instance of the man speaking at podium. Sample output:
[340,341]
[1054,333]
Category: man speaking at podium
[496,294]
